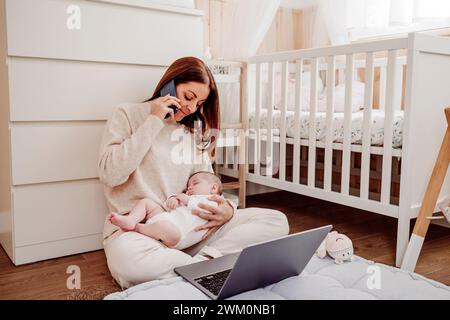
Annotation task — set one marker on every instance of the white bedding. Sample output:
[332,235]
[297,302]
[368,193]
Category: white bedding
[322,279]
[377,129]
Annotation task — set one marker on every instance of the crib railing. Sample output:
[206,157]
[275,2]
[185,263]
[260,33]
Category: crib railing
[413,74]
[346,60]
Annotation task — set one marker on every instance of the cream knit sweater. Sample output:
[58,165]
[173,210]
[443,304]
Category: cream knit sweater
[142,156]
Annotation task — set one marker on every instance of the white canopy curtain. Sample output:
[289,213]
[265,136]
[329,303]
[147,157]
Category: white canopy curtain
[340,21]
[244,26]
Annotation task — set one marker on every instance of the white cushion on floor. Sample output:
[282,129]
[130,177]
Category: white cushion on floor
[321,279]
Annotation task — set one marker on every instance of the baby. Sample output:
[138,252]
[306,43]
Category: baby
[175,228]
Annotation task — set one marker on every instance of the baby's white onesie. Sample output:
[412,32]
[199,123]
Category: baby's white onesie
[185,221]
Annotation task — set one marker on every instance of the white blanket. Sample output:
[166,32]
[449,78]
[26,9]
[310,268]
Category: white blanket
[322,279]
[377,128]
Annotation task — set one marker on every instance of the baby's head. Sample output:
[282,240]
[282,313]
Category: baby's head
[203,182]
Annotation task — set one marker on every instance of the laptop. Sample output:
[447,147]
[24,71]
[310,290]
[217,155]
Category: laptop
[256,266]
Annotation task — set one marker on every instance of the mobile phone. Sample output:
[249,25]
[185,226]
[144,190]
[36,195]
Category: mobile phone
[169,88]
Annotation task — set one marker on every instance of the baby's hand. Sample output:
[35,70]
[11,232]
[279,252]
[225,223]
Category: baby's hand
[184,199]
[171,203]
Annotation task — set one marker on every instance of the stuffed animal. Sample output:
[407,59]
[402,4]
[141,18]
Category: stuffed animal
[338,246]
[444,206]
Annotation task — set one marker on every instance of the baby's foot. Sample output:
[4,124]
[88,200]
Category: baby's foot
[126,223]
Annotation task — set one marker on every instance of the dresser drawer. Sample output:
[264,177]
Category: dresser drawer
[55,249]
[45,152]
[74,90]
[56,211]
[107,32]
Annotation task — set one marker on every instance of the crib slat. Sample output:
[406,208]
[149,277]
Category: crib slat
[218,158]
[225,156]
[367,124]
[312,124]
[235,156]
[391,101]
[398,85]
[231,155]
[346,151]
[284,80]
[329,123]
[269,144]
[257,120]
[243,149]
[382,102]
[298,99]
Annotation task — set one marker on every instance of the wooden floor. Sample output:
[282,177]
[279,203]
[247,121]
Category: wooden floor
[373,238]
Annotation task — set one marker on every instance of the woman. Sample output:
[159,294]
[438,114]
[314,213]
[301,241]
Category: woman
[139,158]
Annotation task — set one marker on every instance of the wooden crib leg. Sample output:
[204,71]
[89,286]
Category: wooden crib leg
[429,201]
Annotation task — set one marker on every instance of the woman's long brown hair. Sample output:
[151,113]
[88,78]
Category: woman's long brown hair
[189,69]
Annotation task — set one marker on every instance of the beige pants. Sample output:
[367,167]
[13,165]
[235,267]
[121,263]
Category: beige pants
[134,258]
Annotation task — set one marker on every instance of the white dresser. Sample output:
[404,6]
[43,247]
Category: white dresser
[64,66]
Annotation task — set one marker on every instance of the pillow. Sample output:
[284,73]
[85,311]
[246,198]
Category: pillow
[306,84]
[339,98]
[339,94]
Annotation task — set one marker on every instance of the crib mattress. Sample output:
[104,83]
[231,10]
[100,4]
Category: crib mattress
[359,279]
[377,128]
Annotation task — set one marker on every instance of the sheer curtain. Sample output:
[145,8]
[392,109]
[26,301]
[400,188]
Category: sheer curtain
[340,21]
[245,24]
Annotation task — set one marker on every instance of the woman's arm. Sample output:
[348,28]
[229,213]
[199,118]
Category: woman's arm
[206,165]
[121,151]
[217,216]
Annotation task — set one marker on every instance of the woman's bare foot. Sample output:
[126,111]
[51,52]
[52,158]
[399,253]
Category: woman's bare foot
[126,223]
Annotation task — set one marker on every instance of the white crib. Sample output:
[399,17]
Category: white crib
[419,64]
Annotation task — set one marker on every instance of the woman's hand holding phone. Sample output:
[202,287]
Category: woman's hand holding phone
[160,107]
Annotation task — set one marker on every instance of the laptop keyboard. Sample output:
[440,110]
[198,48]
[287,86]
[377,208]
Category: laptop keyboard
[214,282]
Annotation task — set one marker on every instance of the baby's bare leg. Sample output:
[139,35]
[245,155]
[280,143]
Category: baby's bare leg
[164,231]
[143,209]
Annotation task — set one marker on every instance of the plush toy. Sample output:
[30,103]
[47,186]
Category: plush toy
[338,246]
[444,206]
